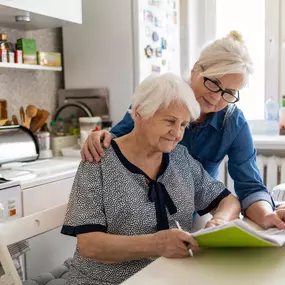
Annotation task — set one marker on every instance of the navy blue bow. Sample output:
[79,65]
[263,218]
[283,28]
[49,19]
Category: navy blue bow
[159,195]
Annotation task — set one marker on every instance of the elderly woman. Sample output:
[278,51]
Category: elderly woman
[216,79]
[123,210]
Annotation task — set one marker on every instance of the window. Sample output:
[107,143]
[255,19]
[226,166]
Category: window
[247,17]
[259,23]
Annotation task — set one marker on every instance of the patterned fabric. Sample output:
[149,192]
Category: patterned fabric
[113,197]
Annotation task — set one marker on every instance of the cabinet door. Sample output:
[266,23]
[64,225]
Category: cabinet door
[51,249]
[67,10]
[42,197]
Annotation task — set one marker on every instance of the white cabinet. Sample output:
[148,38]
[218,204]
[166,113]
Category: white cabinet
[52,248]
[43,13]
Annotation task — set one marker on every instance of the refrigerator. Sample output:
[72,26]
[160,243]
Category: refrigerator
[156,37]
[119,43]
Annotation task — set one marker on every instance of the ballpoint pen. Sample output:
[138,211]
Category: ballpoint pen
[187,243]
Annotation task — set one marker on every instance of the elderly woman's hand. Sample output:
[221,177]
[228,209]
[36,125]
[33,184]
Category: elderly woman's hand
[172,243]
[92,148]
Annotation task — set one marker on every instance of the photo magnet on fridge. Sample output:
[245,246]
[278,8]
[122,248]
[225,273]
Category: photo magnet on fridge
[158,52]
[148,16]
[163,43]
[155,36]
[148,51]
[155,68]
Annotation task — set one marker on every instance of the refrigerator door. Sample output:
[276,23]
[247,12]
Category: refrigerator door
[156,37]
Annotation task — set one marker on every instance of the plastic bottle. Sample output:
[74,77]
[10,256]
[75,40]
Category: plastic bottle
[271,110]
[282,117]
[60,127]
[74,129]
[53,128]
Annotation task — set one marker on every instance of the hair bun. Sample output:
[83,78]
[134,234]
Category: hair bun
[235,35]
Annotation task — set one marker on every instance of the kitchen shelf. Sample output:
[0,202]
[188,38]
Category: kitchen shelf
[29,66]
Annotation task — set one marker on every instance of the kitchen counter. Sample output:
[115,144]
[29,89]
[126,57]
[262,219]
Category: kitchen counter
[48,170]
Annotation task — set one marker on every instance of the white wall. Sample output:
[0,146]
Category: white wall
[99,53]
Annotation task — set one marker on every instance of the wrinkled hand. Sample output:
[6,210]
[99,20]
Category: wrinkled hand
[92,149]
[171,243]
[275,219]
[215,222]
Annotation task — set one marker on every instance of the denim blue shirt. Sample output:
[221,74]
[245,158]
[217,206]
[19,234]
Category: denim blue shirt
[220,135]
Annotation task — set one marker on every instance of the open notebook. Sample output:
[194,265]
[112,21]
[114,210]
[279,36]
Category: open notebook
[238,233]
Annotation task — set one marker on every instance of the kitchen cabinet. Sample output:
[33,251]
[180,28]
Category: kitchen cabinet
[43,14]
[51,248]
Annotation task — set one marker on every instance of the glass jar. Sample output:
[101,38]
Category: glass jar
[87,125]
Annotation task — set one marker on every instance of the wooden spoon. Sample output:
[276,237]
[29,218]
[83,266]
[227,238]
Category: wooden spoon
[31,112]
[15,120]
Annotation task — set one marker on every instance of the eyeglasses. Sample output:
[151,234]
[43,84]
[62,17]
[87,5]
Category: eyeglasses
[229,96]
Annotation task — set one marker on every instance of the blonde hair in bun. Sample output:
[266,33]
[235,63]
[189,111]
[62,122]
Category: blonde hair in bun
[236,36]
[228,55]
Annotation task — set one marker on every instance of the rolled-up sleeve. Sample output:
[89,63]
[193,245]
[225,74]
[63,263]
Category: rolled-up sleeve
[85,210]
[244,171]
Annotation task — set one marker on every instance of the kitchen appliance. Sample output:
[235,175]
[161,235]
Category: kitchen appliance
[17,143]
[127,41]
[10,200]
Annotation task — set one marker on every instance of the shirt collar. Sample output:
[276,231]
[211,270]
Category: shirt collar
[216,119]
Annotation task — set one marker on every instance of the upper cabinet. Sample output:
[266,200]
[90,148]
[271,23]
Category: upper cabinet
[43,13]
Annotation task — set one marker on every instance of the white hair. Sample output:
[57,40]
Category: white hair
[226,56]
[157,92]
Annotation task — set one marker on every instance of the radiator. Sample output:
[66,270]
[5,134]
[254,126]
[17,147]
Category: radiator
[272,170]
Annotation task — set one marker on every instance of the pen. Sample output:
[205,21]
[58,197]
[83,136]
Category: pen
[187,243]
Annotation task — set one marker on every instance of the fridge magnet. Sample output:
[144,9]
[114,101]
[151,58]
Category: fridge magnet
[155,68]
[152,2]
[163,62]
[158,22]
[148,31]
[155,36]
[158,52]
[163,43]
[148,16]
[148,51]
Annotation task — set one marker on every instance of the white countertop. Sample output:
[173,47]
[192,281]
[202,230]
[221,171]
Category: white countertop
[43,171]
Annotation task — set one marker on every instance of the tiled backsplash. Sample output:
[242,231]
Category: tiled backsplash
[21,87]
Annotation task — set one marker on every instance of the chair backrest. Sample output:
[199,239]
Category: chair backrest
[24,228]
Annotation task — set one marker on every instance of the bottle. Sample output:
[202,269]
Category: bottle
[4,48]
[60,127]
[74,129]
[53,128]
[282,117]
[271,110]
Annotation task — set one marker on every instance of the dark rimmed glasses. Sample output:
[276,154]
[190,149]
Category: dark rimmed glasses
[229,96]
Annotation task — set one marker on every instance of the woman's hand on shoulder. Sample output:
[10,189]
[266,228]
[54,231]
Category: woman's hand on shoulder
[172,243]
[93,149]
